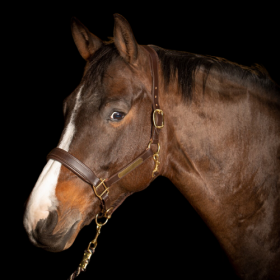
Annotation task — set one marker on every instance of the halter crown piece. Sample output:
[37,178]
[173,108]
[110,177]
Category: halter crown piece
[101,187]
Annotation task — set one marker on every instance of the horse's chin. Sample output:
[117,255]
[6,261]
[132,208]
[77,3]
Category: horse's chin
[71,240]
[65,243]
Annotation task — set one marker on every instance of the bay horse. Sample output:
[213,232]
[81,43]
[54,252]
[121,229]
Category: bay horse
[218,143]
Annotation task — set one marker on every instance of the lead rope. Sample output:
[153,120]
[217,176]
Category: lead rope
[91,248]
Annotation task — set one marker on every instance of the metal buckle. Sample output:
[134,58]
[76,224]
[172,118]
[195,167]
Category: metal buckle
[105,189]
[158,111]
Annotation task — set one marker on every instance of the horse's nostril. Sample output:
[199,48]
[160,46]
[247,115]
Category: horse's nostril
[44,228]
[47,225]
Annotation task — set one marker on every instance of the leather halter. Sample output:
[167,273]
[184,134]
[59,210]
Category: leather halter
[101,186]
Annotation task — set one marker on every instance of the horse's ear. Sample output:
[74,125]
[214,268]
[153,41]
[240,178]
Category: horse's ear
[124,39]
[86,42]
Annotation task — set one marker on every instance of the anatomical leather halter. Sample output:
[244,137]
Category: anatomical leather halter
[101,186]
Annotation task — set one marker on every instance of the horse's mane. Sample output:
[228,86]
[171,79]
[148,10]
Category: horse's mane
[184,65]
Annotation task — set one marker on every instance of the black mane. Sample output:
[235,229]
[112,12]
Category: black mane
[184,65]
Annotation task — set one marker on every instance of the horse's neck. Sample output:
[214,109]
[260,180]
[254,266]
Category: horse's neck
[225,130]
[222,155]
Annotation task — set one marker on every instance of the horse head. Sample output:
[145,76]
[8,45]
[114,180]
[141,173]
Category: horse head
[107,124]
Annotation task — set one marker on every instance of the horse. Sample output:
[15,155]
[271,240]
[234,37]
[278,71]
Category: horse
[212,127]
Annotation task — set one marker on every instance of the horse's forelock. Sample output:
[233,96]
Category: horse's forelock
[99,62]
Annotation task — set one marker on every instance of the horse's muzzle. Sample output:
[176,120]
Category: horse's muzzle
[43,235]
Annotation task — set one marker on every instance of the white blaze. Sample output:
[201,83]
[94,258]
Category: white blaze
[43,198]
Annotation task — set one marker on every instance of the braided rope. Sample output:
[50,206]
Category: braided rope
[75,274]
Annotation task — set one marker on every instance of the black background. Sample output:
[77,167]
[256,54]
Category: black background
[144,238]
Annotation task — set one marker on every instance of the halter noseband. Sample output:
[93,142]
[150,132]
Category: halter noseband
[101,186]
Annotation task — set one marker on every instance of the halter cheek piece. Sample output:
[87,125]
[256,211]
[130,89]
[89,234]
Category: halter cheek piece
[101,186]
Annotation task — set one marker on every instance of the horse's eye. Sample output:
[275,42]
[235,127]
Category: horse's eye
[117,116]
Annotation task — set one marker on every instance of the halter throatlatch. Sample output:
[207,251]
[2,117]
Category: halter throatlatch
[101,187]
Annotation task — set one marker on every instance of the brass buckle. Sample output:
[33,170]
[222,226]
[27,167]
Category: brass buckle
[158,111]
[105,189]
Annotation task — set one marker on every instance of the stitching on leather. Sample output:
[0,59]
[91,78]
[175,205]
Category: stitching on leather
[61,160]
[78,161]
